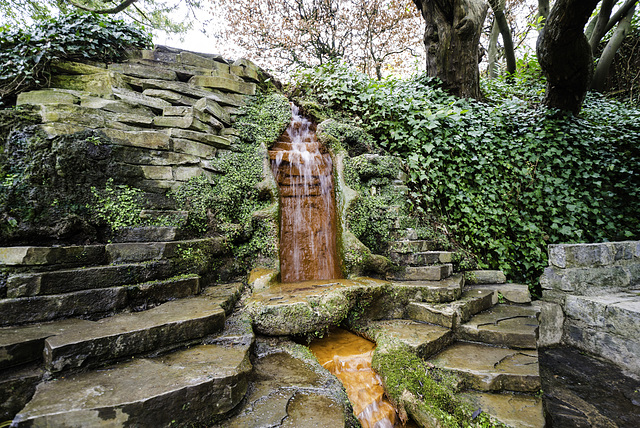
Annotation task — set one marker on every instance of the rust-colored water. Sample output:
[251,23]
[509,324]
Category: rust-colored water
[304,172]
[348,357]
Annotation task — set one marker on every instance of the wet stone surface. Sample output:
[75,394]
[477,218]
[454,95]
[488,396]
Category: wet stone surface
[585,391]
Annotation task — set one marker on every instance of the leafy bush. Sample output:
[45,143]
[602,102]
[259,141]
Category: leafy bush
[26,54]
[506,177]
[265,119]
[118,205]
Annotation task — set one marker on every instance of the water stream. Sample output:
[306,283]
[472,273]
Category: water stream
[348,357]
[304,172]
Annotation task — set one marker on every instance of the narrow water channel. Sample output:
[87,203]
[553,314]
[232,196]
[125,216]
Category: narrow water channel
[348,357]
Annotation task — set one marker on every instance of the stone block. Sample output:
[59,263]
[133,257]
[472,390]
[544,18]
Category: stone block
[16,389]
[99,83]
[73,114]
[175,86]
[486,277]
[223,84]
[246,69]
[192,59]
[157,172]
[149,294]
[185,173]
[70,67]
[48,96]
[139,156]
[510,293]
[66,255]
[213,108]
[137,98]
[193,148]
[143,71]
[184,122]
[618,313]
[201,137]
[145,139]
[54,128]
[419,273]
[586,281]
[169,97]
[551,322]
[147,234]
[177,111]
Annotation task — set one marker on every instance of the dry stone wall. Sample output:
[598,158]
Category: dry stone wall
[591,300]
[166,112]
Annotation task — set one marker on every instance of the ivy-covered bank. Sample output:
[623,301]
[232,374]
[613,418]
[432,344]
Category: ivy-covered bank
[502,178]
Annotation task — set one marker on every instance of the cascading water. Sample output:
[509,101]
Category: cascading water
[303,170]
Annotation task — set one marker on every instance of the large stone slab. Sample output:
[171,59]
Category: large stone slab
[17,386]
[143,71]
[504,325]
[515,410]
[213,108]
[422,273]
[136,98]
[148,234]
[131,252]
[226,85]
[49,96]
[70,280]
[486,277]
[65,255]
[184,122]
[193,91]
[423,339]
[154,140]
[225,295]
[594,255]
[446,290]
[201,137]
[188,387]
[421,258]
[411,246]
[24,344]
[97,83]
[617,313]
[590,281]
[489,368]
[45,308]
[149,294]
[167,325]
[508,293]
[451,315]
[551,321]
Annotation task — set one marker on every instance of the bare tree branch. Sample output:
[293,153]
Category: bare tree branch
[119,8]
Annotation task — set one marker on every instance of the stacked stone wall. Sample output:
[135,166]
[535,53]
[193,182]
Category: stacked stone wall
[591,295]
[167,113]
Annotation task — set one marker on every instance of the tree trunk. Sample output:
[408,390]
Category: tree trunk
[565,55]
[601,23]
[543,9]
[509,54]
[492,52]
[452,42]
[602,69]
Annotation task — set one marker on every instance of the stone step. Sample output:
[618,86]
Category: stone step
[445,290]
[189,387]
[423,339]
[489,368]
[148,234]
[422,273]
[411,246]
[71,280]
[133,252]
[225,295]
[17,386]
[508,292]
[513,409]
[504,325]
[75,255]
[451,315]
[421,258]
[164,326]
[486,277]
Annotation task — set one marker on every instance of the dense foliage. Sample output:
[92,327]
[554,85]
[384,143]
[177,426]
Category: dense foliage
[507,177]
[26,54]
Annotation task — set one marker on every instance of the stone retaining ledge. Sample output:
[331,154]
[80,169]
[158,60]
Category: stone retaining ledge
[592,255]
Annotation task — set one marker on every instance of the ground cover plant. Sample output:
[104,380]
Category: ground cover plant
[507,176]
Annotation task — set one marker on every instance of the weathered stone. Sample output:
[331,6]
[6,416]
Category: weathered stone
[551,321]
[34,256]
[504,325]
[146,72]
[445,290]
[47,308]
[24,344]
[213,108]
[139,156]
[184,122]
[185,173]
[226,295]
[201,137]
[70,67]
[169,97]
[157,172]
[147,234]
[188,387]
[16,389]
[510,293]
[194,148]
[98,83]
[168,325]
[489,368]
[231,132]
[227,85]
[137,98]
[53,129]
[618,313]
[516,410]
[246,69]
[73,114]
[586,281]
[421,258]
[144,139]
[486,277]
[48,96]
[177,111]
[70,280]
[196,60]
[413,246]
[423,339]
[591,255]
[420,273]
[175,86]
[450,315]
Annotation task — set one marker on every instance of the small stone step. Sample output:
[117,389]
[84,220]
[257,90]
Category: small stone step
[508,293]
[505,325]
[423,339]
[411,246]
[489,368]
[70,280]
[422,273]
[76,255]
[149,294]
[185,388]
[46,308]
[421,258]
[24,344]
[122,335]
[451,315]
[486,277]
[513,409]
[225,295]
[445,290]
[148,234]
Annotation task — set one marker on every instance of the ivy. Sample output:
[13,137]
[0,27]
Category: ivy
[26,54]
[505,177]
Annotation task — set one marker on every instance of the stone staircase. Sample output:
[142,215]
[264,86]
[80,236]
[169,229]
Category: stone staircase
[116,334]
[485,331]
